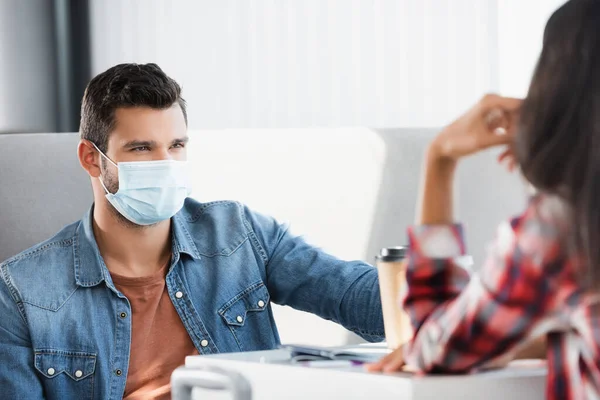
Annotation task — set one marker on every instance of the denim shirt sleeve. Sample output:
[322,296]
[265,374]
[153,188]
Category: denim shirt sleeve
[18,379]
[306,278]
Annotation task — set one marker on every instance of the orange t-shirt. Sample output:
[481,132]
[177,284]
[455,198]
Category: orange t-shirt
[159,341]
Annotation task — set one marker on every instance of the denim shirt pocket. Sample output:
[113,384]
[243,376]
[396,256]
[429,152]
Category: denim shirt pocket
[247,317]
[66,372]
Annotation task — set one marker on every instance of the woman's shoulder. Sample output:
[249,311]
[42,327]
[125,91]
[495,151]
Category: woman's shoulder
[549,210]
[543,230]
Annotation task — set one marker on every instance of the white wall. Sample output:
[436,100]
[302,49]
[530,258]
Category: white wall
[303,63]
[290,63]
[521,28]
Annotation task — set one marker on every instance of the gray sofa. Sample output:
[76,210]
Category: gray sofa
[349,191]
[42,188]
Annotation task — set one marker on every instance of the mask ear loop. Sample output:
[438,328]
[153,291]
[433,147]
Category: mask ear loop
[109,160]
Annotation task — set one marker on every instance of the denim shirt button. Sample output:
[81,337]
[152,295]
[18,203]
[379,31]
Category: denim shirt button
[51,371]
[78,374]
[123,315]
[240,319]
[179,294]
[118,372]
[261,303]
[204,343]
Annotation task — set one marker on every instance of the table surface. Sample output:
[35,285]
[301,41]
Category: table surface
[273,376]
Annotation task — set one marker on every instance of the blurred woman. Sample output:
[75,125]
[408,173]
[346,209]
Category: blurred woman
[542,276]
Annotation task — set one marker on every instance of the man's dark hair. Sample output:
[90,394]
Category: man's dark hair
[122,86]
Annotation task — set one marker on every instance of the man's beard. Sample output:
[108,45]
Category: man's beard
[111,182]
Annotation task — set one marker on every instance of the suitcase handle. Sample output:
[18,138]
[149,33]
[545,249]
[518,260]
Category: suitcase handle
[184,380]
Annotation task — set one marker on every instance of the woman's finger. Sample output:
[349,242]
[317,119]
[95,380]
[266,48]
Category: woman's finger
[500,114]
[496,138]
[496,121]
[395,362]
[504,155]
[383,362]
[511,164]
[377,366]
[507,159]
[491,101]
[390,363]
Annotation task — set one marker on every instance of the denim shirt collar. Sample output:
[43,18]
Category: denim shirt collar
[90,269]
[182,240]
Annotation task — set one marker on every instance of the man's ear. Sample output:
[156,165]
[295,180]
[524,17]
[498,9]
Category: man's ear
[89,158]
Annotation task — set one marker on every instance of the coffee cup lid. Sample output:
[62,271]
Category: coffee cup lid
[392,253]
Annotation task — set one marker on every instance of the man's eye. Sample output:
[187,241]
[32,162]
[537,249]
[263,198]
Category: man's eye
[141,148]
[178,145]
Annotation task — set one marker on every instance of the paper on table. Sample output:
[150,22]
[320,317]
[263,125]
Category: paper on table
[352,353]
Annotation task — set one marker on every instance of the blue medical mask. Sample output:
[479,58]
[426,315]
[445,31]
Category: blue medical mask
[149,191]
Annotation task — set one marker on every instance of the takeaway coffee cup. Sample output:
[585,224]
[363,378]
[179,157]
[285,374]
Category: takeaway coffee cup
[391,267]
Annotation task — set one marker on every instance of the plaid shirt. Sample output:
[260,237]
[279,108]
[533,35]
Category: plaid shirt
[528,288]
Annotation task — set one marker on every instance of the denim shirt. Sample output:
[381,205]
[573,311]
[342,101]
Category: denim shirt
[65,330]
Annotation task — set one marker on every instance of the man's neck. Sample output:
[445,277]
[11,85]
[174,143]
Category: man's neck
[131,251]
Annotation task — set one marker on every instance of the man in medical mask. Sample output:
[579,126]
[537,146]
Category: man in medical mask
[112,304]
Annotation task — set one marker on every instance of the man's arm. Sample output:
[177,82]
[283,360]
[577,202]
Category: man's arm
[308,279]
[18,379]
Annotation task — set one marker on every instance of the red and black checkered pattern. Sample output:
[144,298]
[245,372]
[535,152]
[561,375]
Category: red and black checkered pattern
[527,288]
